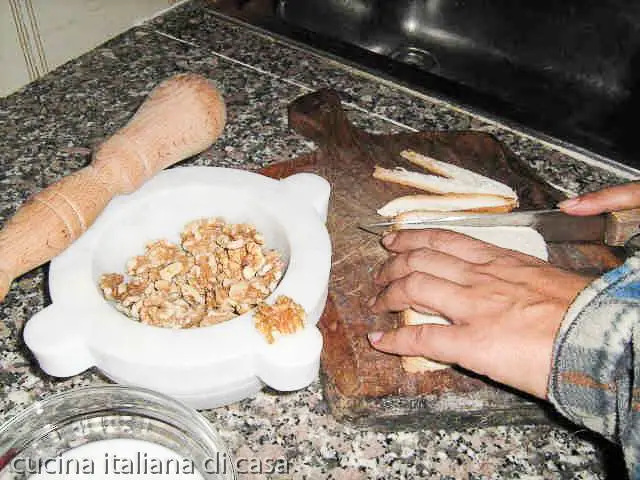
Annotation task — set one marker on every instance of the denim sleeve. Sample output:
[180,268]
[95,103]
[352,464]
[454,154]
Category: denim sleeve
[595,375]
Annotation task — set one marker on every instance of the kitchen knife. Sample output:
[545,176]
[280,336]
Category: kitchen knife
[613,229]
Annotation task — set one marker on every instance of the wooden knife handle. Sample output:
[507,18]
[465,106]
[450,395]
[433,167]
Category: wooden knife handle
[622,226]
[182,116]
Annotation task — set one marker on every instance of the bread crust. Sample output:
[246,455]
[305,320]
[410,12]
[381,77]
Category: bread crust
[421,365]
[429,164]
[453,202]
[440,185]
[443,178]
[457,174]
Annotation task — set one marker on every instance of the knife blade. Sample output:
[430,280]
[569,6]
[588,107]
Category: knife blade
[553,224]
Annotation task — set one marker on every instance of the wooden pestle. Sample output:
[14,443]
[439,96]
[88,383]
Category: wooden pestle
[182,116]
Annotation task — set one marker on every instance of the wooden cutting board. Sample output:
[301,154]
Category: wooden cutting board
[362,386]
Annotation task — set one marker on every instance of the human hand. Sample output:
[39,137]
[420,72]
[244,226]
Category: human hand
[505,307]
[619,197]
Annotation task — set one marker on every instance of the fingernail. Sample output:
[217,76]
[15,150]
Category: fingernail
[570,203]
[388,239]
[371,301]
[374,337]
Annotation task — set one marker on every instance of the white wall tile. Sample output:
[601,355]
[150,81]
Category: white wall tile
[68,29]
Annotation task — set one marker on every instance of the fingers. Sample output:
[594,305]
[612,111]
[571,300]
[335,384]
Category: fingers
[423,292]
[445,241]
[424,260]
[620,197]
[437,342]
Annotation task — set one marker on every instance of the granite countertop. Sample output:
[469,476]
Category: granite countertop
[48,128]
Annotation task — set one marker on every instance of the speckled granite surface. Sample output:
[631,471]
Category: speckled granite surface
[47,128]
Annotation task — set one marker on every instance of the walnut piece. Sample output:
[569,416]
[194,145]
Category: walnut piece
[283,317]
[218,271]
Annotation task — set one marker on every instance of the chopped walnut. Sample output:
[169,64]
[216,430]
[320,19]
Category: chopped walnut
[213,318]
[113,286]
[283,317]
[218,271]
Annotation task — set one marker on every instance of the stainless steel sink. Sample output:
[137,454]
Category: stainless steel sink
[485,43]
[569,69]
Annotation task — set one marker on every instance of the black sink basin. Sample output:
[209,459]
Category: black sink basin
[569,69]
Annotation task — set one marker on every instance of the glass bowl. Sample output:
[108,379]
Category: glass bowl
[111,431]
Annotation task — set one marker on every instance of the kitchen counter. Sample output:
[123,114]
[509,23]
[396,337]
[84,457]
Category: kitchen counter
[48,128]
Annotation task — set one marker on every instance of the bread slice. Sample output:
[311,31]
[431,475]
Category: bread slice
[442,185]
[446,178]
[522,239]
[421,364]
[448,203]
[474,181]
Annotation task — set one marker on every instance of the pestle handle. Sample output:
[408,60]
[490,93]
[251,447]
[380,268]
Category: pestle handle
[181,117]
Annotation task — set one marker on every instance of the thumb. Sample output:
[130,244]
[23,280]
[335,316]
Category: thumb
[442,343]
[619,197]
